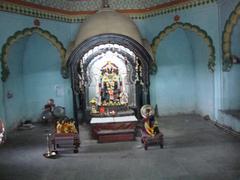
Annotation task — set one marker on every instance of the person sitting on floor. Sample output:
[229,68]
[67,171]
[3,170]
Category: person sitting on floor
[47,114]
[50,105]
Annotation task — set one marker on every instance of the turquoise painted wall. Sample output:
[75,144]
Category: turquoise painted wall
[230,94]
[174,83]
[225,9]
[235,40]
[204,79]
[231,89]
[42,78]
[222,93]
[206,17]
[34,81]
[34,78]
[2,115]
[10,23]
[231,80]
[15,103]
[183,83]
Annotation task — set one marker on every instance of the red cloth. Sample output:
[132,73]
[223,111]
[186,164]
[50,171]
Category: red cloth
[101,109]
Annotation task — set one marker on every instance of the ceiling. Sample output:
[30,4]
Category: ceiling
[77,10]
[91,5]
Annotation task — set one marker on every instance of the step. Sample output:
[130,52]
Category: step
[105,136]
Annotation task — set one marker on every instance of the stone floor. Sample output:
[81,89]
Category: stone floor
[194,149]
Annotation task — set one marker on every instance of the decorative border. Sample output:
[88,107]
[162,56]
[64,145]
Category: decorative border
[163,10]
[28,32]
[193,28]
[92,5]
[226,38]
[39,11]
[76,56]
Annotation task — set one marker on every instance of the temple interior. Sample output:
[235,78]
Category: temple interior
[89,88]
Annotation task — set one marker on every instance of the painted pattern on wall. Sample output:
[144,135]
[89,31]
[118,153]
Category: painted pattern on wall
[34,65]
[47,12]
[193,28]
[91,5]
[28,32]
[227,35]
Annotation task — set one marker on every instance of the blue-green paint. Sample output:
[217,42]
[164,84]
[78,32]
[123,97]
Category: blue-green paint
[42,78]
[182,84]
[204,79]
[35,77]
[174,82]
[230,81]
[14,101]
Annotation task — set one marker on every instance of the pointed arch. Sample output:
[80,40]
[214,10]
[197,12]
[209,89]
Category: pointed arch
[28,32]
[226,38]
[187,26]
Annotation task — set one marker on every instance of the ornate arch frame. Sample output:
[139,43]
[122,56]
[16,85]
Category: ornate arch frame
[226,38]
[187,26]
[128,42]
[75,59]
[28,32]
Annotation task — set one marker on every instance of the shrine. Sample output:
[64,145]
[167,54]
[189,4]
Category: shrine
[110,69]
[119,89]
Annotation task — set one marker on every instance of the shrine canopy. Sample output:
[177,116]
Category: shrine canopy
[106,21]
[109,62]
[109,27]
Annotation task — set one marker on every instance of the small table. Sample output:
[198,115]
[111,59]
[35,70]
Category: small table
[70,140]
[148,140]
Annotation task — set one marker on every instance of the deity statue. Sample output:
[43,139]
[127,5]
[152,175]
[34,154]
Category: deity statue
[110,85]
[123,98]
[93,103]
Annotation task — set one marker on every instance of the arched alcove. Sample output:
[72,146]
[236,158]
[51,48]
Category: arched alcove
[231,70]
[229,36]
[183,76]
[187,26]
[33,79]
[28,32]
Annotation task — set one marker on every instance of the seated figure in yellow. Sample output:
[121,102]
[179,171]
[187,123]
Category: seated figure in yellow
[150,125]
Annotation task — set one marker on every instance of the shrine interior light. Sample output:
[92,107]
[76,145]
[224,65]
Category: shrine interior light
[107,47]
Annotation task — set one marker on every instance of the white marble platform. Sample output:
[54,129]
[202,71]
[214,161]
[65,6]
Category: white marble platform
[98,120]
